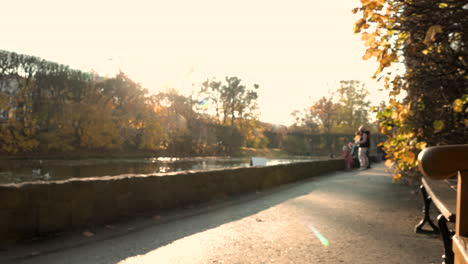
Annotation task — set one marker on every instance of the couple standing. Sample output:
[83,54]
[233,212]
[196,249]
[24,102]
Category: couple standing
[363,141]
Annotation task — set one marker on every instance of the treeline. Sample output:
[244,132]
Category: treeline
[331,122]
[47,107]
[301,143]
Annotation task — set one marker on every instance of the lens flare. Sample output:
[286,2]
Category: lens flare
[204,103]
[322,239]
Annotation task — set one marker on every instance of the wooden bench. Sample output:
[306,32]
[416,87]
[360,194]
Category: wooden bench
[439,165]
[444,196]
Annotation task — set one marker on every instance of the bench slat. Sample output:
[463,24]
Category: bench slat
[443,196]
[460,248]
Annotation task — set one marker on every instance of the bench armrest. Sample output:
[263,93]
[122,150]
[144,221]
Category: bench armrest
[443,162]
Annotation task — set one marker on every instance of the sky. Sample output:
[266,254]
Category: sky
[296,50]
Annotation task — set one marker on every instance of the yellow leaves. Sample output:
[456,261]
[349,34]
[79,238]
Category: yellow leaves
[386,82]
[389,163]
[358,25]
[397,177]
[375,52]
[385,60]
[376,18]
[443,5]
[398,112]
[408,157]
[368,54]
[373,4]
[403,35]
[458,105]
[421,145]
[385,129]
[438,125]
[369,38]
[425,52]
[431,34]
[408,135]
[403,112]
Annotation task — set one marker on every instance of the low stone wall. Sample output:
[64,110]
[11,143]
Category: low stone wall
[34,209]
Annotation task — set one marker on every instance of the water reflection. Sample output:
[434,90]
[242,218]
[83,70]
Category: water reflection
[15,171]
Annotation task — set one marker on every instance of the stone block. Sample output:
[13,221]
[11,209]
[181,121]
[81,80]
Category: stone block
[19,222]
[104,210]
[37,195]
[55,218]
[11,196]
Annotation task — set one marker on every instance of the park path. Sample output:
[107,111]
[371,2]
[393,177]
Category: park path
[345,217]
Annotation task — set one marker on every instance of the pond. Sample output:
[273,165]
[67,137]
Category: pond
[16,171]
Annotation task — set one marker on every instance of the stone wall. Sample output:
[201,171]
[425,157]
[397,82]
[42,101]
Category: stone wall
[34,209]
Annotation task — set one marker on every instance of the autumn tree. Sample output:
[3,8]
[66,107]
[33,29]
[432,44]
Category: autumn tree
[354,106]
[177,117]
[235,107]
[325,113]
[18,126]
[343,111]
[232,100]
[254,134]
[211,92]
[46,107]
[49,107]
[330,121]
[428,96]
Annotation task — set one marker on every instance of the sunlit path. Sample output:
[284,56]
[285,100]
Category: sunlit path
[349,217]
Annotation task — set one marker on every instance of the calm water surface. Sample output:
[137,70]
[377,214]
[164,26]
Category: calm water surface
[16,171]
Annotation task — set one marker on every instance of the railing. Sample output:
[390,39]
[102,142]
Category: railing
[440,163]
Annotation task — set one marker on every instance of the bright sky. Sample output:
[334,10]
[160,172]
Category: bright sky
[296,50]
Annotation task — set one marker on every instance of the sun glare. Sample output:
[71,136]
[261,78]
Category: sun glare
[295,51]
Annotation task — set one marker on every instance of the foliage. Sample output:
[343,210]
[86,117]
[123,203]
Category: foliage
[325,113]
[296,144]
[48,107]
[355,107]
[342,115]
[18,136]
[254,134]
[235,106]
[176,116]
[232,100]
[428,100]
[330,122]
[17,129]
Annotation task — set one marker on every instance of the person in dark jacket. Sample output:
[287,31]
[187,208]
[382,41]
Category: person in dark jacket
[364,144]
